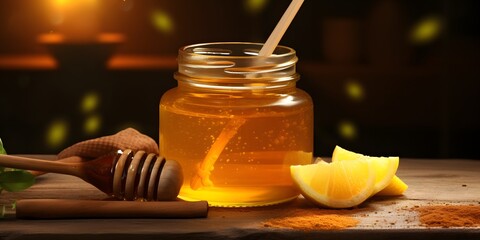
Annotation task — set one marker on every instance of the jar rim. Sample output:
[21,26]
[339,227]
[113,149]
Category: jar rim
[205,50]
[236,66]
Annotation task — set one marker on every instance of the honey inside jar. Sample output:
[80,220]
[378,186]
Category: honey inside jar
[236,136]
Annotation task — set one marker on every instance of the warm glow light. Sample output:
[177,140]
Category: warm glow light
[51,38]
[78,20]
[162,21]
[426,30]
[110,38]
[354,90]
[64,3]
[60,3]
[255,6]
[57,133]
[347,130]
[90,102]
[92,124]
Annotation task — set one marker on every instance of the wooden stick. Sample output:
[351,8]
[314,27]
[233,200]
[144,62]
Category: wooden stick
[61,208]
[67,167]
[69,160]
[277,34]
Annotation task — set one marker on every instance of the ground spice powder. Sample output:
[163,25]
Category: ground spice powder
[313,220]
[449,216]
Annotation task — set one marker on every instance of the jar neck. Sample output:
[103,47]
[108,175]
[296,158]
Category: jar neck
[235,67]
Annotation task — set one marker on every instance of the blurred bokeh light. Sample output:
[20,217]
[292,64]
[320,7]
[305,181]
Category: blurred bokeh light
[347,130]
[57,133]
[92,124]
[255,6]
[426,30]
[354,90]
[90,102]
[162,21]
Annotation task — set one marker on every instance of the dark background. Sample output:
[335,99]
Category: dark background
[376,89]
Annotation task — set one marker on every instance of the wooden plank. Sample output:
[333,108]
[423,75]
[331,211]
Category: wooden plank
[430,182]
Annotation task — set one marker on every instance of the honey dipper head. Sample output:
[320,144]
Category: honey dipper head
[170,181]
[146,176]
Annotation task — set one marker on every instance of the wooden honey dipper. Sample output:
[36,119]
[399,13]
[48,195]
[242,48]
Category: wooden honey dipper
[122,174]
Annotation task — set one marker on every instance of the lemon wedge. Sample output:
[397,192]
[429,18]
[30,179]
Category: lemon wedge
[340,184]
[395,188]
[386,183]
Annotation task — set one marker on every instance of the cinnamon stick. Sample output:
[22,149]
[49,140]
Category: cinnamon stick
[60,208]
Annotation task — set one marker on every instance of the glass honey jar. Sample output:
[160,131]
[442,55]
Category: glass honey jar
[235,123]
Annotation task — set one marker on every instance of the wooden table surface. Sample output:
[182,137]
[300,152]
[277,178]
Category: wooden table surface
[430,182]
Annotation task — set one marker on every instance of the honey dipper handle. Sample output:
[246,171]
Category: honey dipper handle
[40,165]
[61,208]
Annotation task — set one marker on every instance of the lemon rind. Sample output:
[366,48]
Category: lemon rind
[325,201]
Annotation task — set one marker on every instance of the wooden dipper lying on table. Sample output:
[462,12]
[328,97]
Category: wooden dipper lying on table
[121,174]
